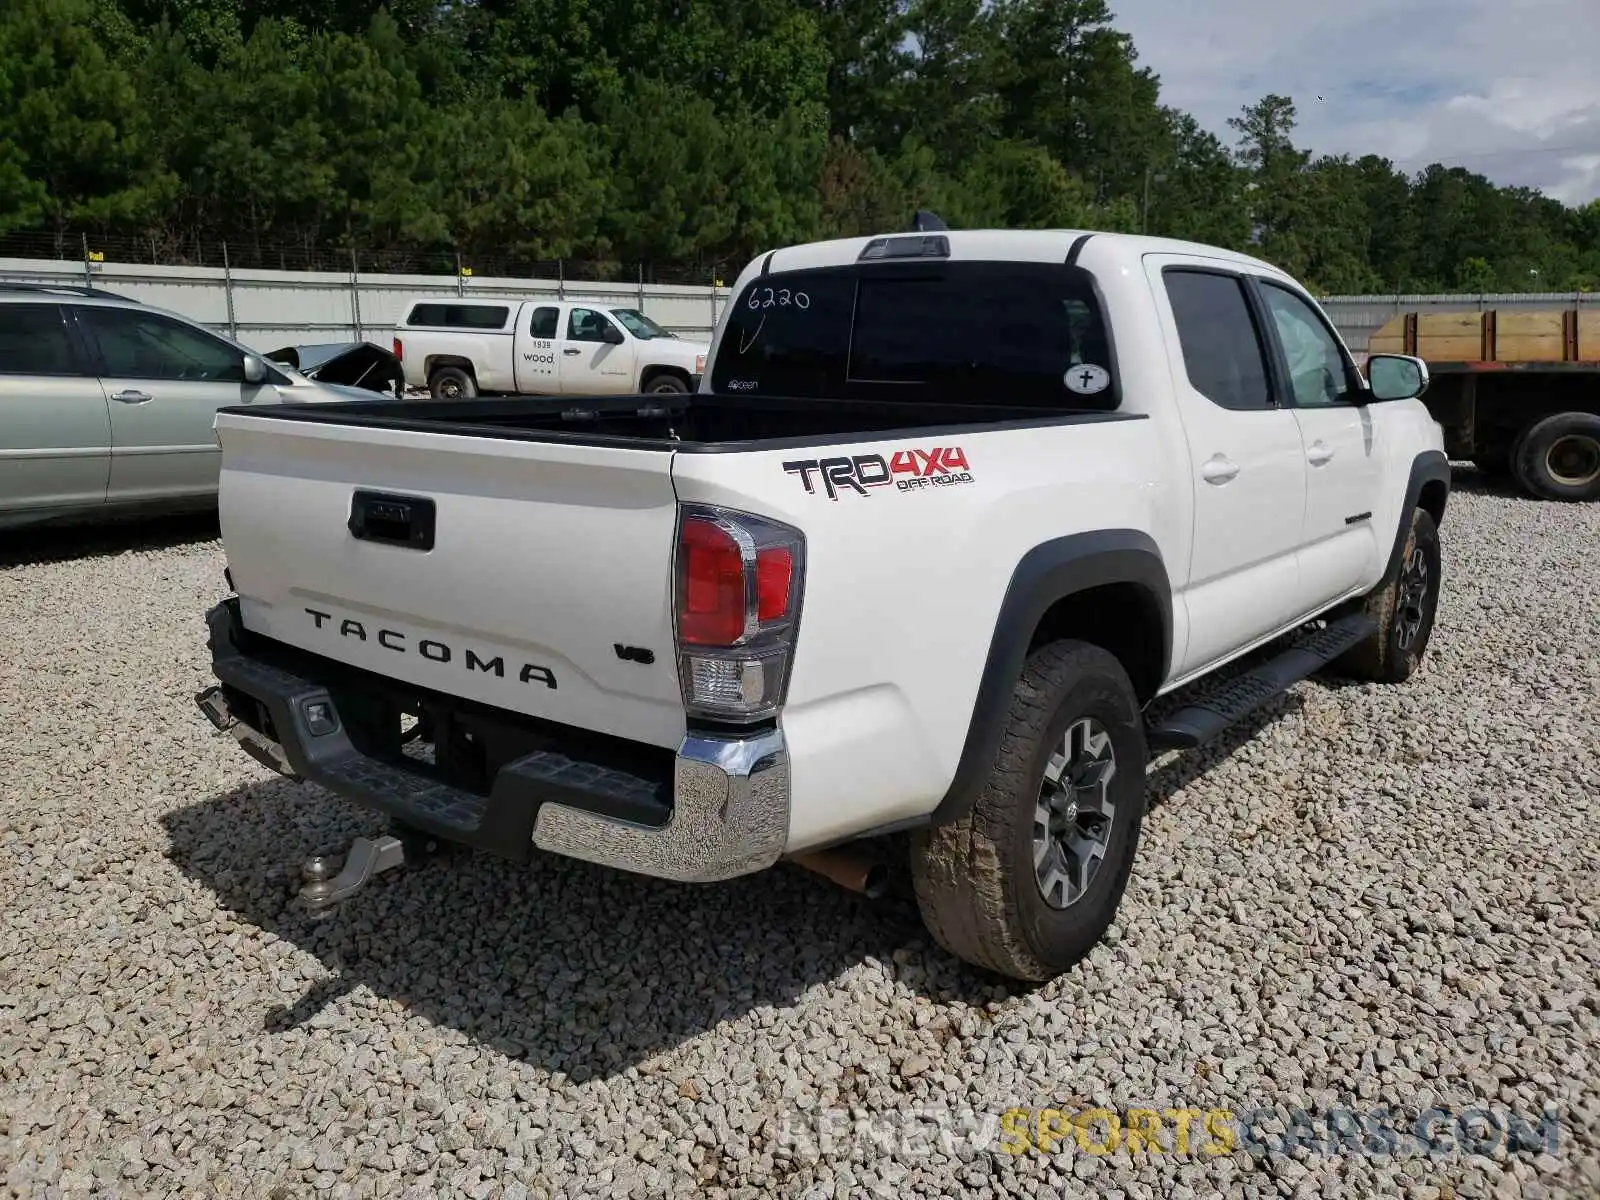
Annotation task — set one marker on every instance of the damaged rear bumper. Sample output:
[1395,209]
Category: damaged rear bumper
[717,808]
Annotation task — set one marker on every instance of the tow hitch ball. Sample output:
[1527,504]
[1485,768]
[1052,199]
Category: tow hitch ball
[328,884]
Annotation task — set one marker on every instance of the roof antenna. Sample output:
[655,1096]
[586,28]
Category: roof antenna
[927,222]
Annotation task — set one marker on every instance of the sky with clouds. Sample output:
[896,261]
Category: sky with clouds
[1506,88]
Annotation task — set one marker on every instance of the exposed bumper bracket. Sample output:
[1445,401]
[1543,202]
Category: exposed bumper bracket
[264,750]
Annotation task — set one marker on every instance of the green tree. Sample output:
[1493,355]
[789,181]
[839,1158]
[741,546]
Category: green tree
[1582,232]
[70,119]
[367,105]
[945,97]
[1474,275]
[1392,229]
[1017,185]
[1070,83]
[507,178]
[670,194]
[1278,195]
[863,41]
[23,199]
[860,192]
[1336,229]
[694,132]
[1198,192]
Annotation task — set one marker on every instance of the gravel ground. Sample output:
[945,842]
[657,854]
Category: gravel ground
[1374,897]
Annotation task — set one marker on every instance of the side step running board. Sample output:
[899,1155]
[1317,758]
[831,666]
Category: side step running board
[1197,723]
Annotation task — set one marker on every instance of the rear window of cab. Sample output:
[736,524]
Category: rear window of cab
[1012,333]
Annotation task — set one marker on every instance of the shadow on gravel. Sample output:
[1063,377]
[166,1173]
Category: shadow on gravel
[65,543]
[576,968]
[1479,483]
[1186,767]
[579,969]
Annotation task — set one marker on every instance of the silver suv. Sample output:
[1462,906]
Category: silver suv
[106,404]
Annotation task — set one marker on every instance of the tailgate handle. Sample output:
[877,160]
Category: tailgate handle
[392,520]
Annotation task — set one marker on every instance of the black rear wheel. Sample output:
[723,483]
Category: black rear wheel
[452,383]
[1030,879]
[1558,458]
[667,383]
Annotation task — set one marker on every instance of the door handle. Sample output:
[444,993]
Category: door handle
[1219,469]
[1319,454]
[572,350]
[130,396]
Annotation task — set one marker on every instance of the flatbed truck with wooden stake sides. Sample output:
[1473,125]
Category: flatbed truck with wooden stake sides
[1516,392]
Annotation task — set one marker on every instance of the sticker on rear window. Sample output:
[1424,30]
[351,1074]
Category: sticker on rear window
[1086,379]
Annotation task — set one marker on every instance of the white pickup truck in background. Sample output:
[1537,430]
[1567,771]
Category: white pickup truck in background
[458,349]
[947,514]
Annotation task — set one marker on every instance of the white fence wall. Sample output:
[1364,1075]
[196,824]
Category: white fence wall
[269,309]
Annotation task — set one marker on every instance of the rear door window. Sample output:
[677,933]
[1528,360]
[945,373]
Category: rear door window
[1222,348]
[1006,333]
[34,341]
[544,322]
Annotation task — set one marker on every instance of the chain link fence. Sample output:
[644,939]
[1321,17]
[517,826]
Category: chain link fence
[268,297]
[166,250]
[374,281]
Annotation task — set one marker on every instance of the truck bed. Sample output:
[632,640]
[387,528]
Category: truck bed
[698,422]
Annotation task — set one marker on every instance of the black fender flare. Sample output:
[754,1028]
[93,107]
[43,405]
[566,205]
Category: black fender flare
[1429,467]
[1050,572]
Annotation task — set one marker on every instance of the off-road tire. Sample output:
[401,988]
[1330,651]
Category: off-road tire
[975,880]
[1539,454]
[667,382]
[1388,656]
[452,383]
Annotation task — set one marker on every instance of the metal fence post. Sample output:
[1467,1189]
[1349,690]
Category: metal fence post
[461,284]
[561,279]
[355,293]
[227,290]
[641,287]
[88,275]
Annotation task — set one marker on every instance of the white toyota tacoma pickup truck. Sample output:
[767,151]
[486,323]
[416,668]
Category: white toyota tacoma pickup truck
[947,513]
[458,349]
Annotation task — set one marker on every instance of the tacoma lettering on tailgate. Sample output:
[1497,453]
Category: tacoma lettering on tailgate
[433,650]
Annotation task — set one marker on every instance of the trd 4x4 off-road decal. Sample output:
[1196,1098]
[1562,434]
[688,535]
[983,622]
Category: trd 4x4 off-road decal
[905,470]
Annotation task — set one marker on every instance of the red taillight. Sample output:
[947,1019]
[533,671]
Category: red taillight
[399,350]
[740,578]
[713,602]
[774,568]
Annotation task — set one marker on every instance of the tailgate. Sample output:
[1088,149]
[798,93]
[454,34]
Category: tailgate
[545,586]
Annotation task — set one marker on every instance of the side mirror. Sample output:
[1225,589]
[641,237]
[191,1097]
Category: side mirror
[255,371]
[612,334]
[1396,377]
